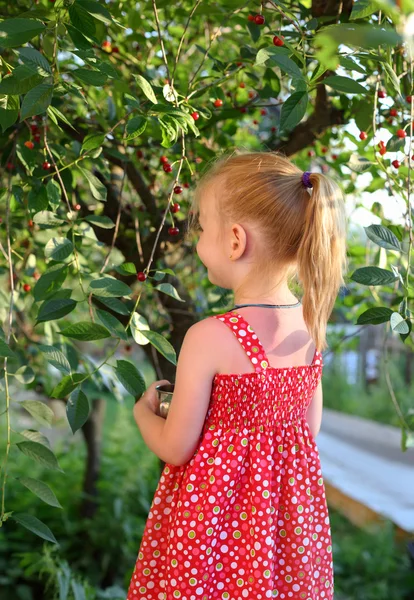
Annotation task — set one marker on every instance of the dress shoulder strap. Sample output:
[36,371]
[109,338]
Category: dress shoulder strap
[247,338]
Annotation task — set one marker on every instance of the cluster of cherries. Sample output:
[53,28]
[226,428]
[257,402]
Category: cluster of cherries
[401,133]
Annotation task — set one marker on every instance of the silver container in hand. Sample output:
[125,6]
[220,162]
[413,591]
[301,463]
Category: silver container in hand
[165,394]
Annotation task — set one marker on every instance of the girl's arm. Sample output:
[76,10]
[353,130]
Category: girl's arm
[314,412]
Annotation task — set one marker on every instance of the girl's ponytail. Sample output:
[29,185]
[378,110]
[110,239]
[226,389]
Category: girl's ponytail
[322,258]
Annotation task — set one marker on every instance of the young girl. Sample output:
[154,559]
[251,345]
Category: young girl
[240,508]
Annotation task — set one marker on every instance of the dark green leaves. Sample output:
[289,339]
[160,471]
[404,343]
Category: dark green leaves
[293,110]
[146,88]
[373,276]
[77,409]
[40,454]
[86,331]
[22,80]
[95,78]
[36,100]
[16,32]
[135,127]
[106,286]
[55,309]
[100,221]
[383,237]
[32,58]
[130,377]
[34,525]
[375,315]
[50,281]
[345,84]
[9,111]
[81,19]
[41,490]
[278,57]
[161,344]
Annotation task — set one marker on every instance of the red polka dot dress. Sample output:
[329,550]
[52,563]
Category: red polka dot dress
[246,517]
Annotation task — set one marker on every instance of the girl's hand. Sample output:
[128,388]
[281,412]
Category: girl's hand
[150,396]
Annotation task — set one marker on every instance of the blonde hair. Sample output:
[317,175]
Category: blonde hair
[302,236]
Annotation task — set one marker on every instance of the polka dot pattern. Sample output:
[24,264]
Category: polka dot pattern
[246,517]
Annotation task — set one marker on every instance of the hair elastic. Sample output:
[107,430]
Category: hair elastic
[306,179]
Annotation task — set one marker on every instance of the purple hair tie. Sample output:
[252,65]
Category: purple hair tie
[306,179]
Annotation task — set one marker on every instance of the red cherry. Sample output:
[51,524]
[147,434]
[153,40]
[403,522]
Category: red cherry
[186,185]
[412,158]
[106,44]
[311,153]
[10,166]
[164,159]
[30,223]
[141,276]
[167,167]
[46,165]
[242,84]
[34,128]
[278,41]
[36,138]
[259,19]
[273,129]
[27,287]
[195,116]
[255,121]
[173,230]
[243,109]
[77,207]
[250,18]
[252,94]
[218,102]
[396,164]
[401,133]
[334,156]
[36,275]
[128,348]
[139,154]
[175,207]
[393,112]
[29,145]
[408,99]
[115,50]
[239,64]
[324,149]
[178,189]
[381,144]
[383,150]
[381,94]
[263,111]
[363,135]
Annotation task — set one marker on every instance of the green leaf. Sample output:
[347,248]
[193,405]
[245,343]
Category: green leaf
[33,58]
[22,80]
[135,127]
[81,19]
[130,377]
[58,248]
[46,217]
[112,324]
[95,78]
[395,144]
[35,436]
[398,324]
[40,411]
[9,111]
[67,385]
[77,409]
[363,8]
[40,454]
[34,525]
[92,141]
[52,310]
[293,110]
[359,163]
[97,188]
[40,489]
[162,345]
[146,88]
[54,193]
[345,84]
[383,237]
[107,286]
[285,64]
[360,35]
[138,323]
[375,315]
[6,351]
[98,11]
[24,374]
[115,305]
[16,32]
[36,101]
[56,358]
[170,290]
[50,281]
[100,221]
[78,39]
[373,276]
[86,331]
[392,77]
[53,112]
[37,199]
[265,55]
[126,269]
[351,65]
